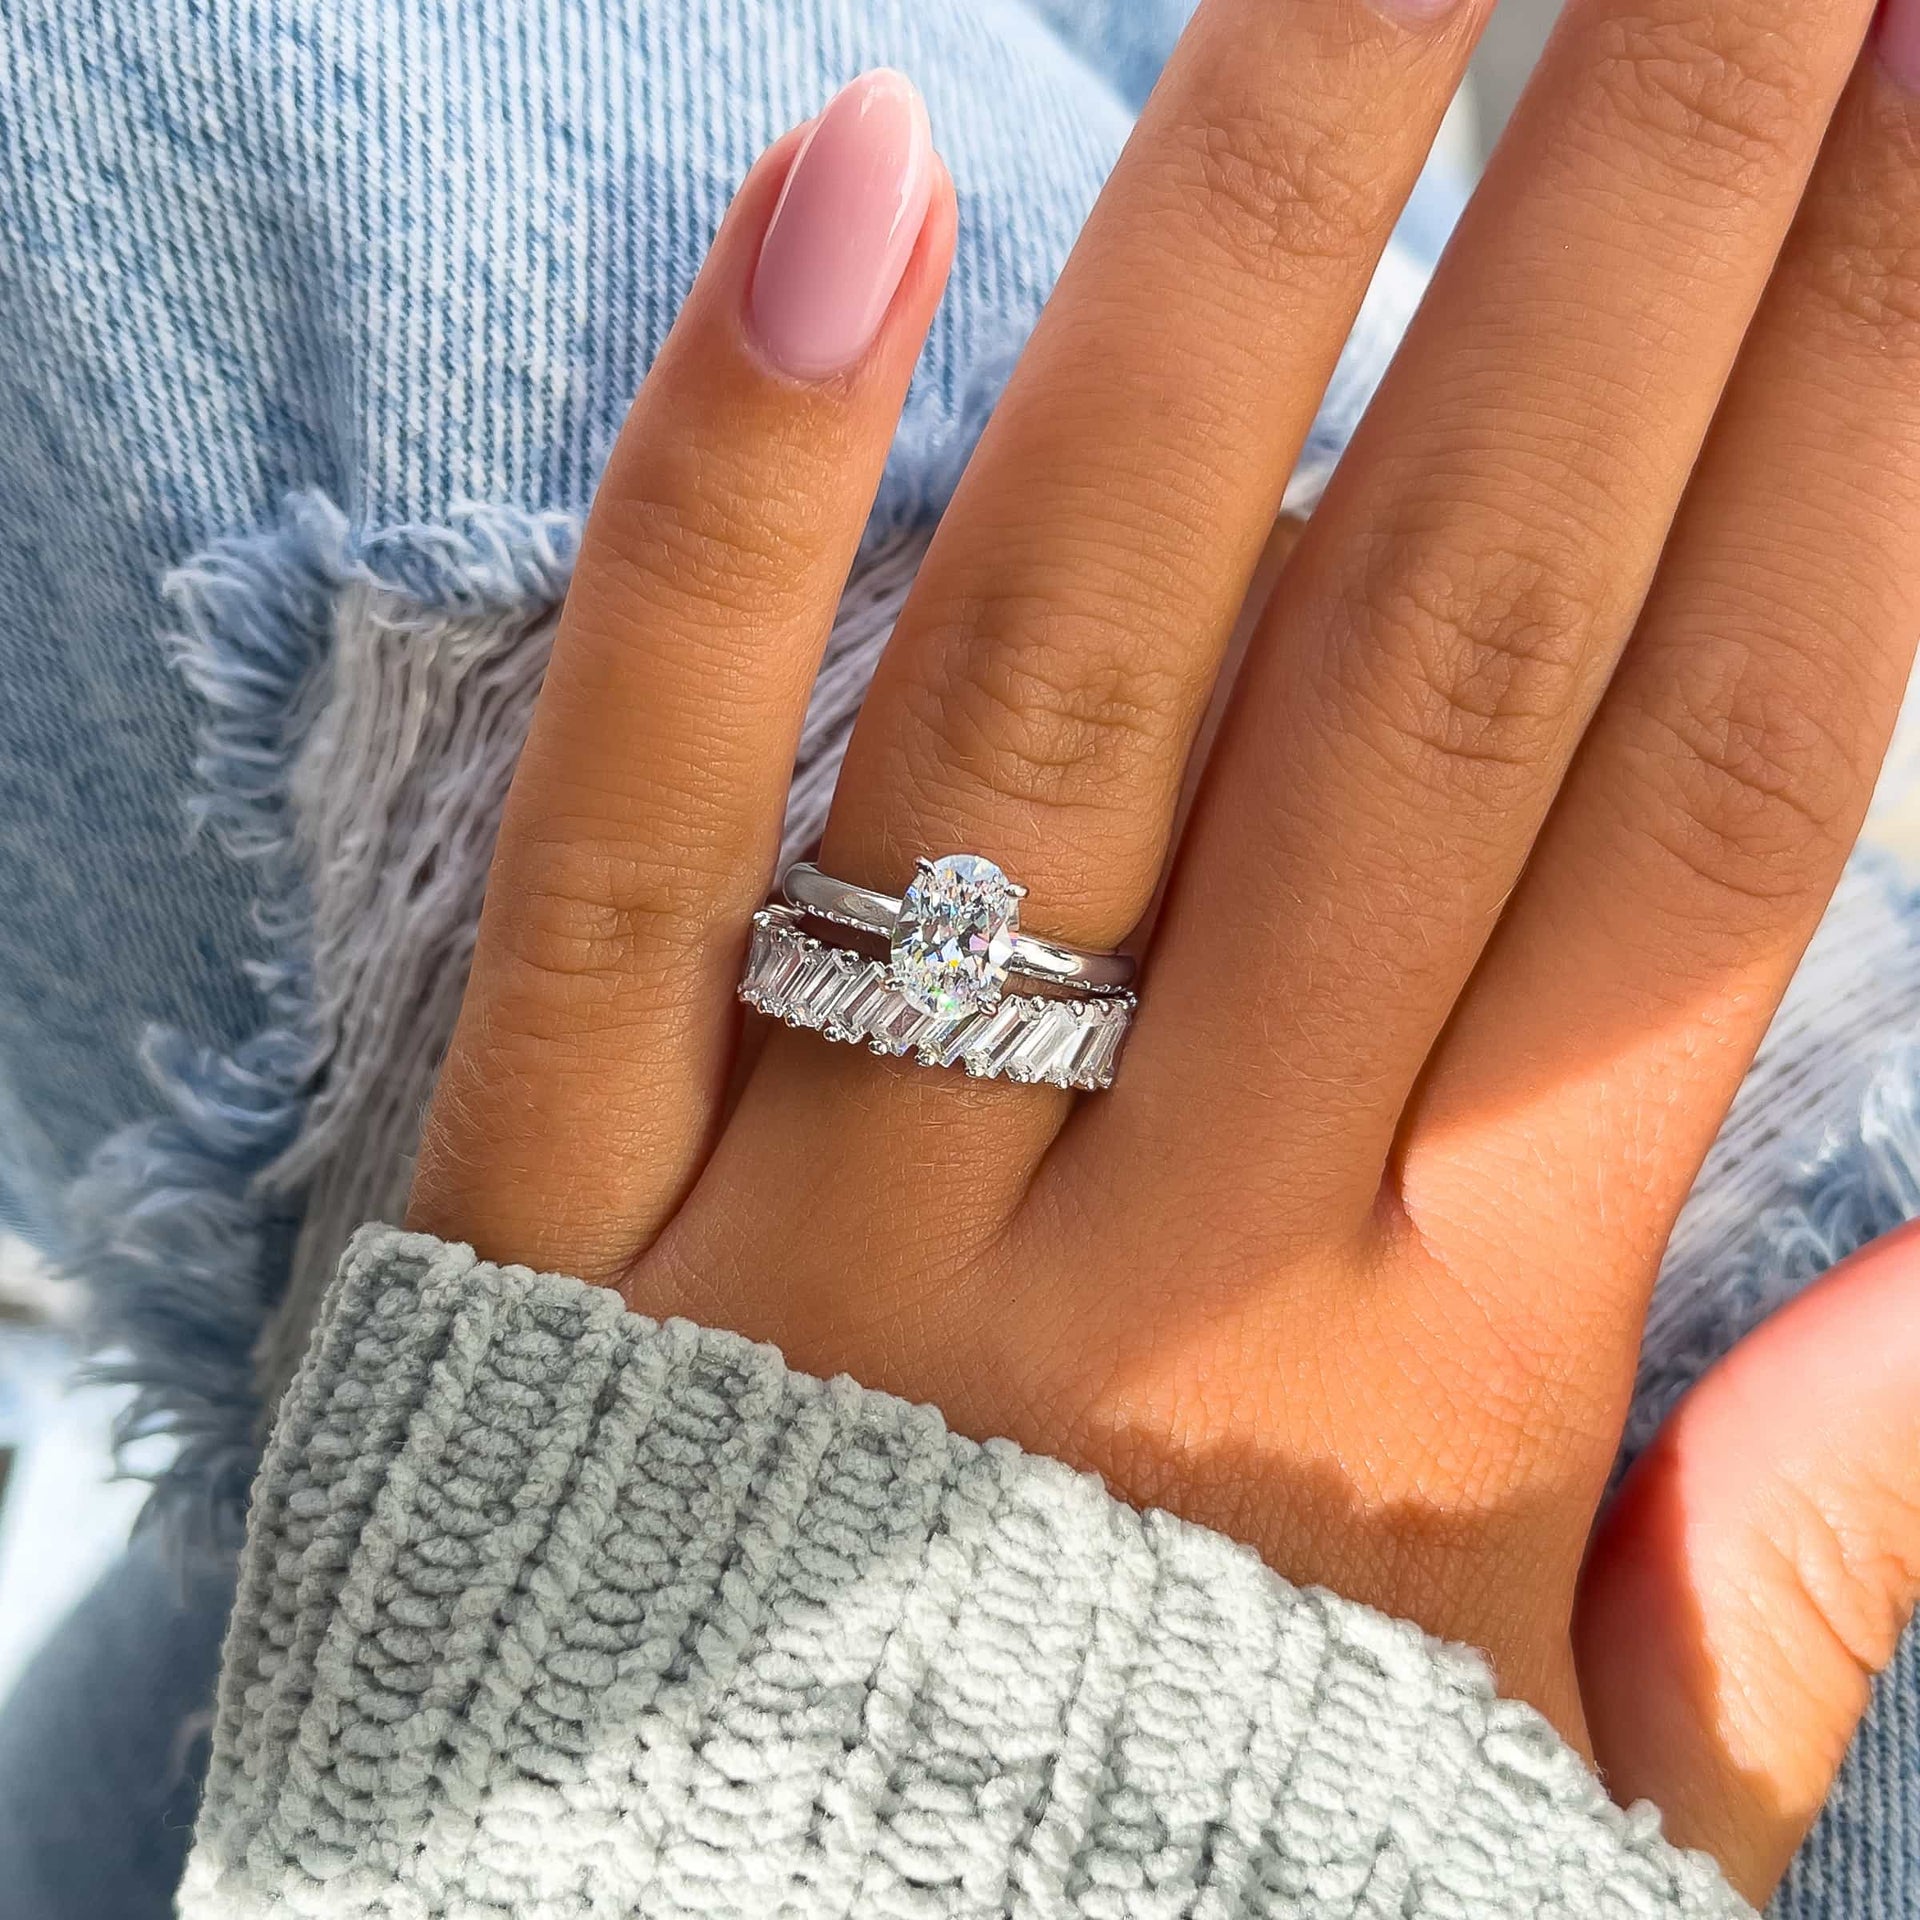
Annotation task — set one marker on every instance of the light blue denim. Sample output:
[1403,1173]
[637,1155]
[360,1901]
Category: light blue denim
[302,295]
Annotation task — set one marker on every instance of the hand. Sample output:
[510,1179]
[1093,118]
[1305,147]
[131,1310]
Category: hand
[1545,754]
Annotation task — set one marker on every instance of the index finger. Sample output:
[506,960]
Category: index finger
[645,814]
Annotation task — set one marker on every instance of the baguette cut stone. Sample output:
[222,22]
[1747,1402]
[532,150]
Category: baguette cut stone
[954,936]
[792,977]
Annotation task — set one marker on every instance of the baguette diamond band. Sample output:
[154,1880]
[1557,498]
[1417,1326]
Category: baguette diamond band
[843,995]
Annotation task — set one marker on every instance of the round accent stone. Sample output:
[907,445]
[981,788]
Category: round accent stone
[954,936]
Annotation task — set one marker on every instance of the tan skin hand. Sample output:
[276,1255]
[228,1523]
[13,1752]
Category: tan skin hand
[1547,746]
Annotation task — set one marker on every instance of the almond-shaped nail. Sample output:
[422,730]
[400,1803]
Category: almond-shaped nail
[844,228]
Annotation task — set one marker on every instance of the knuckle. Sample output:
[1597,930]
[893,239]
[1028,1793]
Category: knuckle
[589,919]
[1470,658]
[1830,1578]
[1720,101]
[1871,284]
[705,531]
[1857,255]
[1755,794]
[1261,192]
[1050,709]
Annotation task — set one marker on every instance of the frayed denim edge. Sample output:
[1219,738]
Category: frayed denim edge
[1861,1180]
[183,1247]
[182,1254]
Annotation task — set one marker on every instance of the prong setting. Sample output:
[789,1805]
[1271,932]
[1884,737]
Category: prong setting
[954,935]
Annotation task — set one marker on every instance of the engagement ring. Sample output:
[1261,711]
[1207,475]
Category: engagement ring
[953,939]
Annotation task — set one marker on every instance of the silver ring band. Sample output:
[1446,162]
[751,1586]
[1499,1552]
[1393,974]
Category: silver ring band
[846,905]
[791,976]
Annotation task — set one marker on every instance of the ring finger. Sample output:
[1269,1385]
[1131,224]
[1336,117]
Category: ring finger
[1039,696]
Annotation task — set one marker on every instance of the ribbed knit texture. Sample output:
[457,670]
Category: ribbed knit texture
[550,1610]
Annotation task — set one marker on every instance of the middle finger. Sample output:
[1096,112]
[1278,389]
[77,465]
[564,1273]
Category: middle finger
[1038,698]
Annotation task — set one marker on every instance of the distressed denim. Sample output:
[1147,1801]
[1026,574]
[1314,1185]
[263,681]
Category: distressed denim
[320,317]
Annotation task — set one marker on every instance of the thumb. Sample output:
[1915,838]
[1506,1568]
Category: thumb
[1759,1567]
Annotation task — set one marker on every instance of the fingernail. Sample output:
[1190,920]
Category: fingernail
[1899,35]
[843,231]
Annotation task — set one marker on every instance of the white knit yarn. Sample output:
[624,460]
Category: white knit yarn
[550,1611]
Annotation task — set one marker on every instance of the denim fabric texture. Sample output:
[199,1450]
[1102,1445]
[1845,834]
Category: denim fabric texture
[104,1741]
[320,318]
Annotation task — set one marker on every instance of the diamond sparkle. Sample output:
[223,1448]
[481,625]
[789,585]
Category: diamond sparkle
[951,944]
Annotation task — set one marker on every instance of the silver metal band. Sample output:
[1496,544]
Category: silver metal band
[845,996]
[846,905]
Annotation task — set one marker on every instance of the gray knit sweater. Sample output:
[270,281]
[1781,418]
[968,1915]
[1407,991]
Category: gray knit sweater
[548,1610]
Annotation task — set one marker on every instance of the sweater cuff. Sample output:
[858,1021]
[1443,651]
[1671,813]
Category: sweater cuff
[548,1609]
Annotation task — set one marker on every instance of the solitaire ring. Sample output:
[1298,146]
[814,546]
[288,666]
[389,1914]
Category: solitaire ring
[954,936]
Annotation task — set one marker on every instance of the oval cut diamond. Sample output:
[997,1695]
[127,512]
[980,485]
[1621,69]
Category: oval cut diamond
[955,934]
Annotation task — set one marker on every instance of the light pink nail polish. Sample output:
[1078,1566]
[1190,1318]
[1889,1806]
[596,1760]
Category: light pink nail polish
[1898,30]
[844,228]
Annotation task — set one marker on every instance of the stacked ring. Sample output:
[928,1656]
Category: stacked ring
[940,995]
